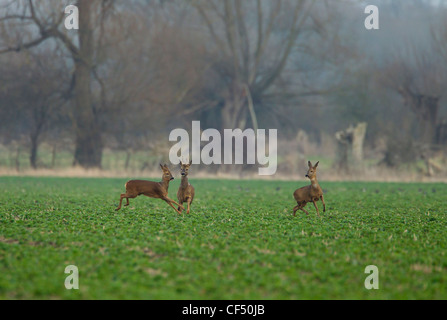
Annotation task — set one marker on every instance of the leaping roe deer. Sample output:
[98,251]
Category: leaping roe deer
[151,189]
[311,193]
[186,190]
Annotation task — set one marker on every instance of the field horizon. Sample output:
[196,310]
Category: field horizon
[374,174]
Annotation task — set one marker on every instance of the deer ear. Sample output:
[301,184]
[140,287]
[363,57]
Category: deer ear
[190,162]
[309,164]
[316,164]
[161,166]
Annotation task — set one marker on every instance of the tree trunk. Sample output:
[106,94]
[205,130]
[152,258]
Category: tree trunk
[88,144]
[53,157]
[40,116]
[350,147]
[17,159]
[357,142]
[33,153]
[126,163]
[231,116]
[230,113]
[233,113]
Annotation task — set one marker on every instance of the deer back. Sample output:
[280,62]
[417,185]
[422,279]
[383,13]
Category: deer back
[148,188]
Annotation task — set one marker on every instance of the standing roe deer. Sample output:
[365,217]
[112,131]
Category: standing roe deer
[186,190]
[311,193]
[150,189]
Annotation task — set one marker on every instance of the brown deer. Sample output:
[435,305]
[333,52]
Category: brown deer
[150,189]
[186,190]
[311,193]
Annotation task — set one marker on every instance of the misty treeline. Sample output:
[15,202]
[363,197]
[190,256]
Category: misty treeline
[137,69]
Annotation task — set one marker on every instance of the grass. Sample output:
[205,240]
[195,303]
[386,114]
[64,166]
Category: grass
[239,242]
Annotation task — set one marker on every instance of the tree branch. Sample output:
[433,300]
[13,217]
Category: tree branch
[243,37]
[230,32]
[26,45]
[263,40]
[211,30]
[45,32]
[296,28]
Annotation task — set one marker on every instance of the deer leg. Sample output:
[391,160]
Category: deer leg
[170,202]
[307,213]
[181,203]
[300,206]
[127,196]
[123,195]
[189,206]
[295,209]
[315,204]
[324,205]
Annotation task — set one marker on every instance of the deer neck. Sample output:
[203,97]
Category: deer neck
[314,183]
[165,184]
[184,184]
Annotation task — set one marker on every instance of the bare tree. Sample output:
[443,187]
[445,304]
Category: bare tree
[419,79]
[27,24]
[34,90]
[253,41]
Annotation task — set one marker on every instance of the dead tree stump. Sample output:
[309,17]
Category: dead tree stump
[349,153]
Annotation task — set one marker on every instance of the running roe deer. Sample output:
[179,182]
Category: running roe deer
[311,193]
[150,189]
[186,190]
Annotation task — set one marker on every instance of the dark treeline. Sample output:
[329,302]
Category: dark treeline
[137,69]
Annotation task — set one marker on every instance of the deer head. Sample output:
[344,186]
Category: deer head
[184,167]
[312,171]
[167,176]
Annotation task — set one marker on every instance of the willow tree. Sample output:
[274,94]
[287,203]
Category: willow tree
[251,44]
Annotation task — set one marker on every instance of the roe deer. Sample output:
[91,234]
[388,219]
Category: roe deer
[186,190]
[311,193]
[150,189]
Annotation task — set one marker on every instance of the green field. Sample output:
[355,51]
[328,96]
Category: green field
[239,242]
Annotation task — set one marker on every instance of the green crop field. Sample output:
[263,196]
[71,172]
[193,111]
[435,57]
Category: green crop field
[239,242]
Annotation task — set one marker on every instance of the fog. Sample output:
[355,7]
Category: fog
[365,103]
